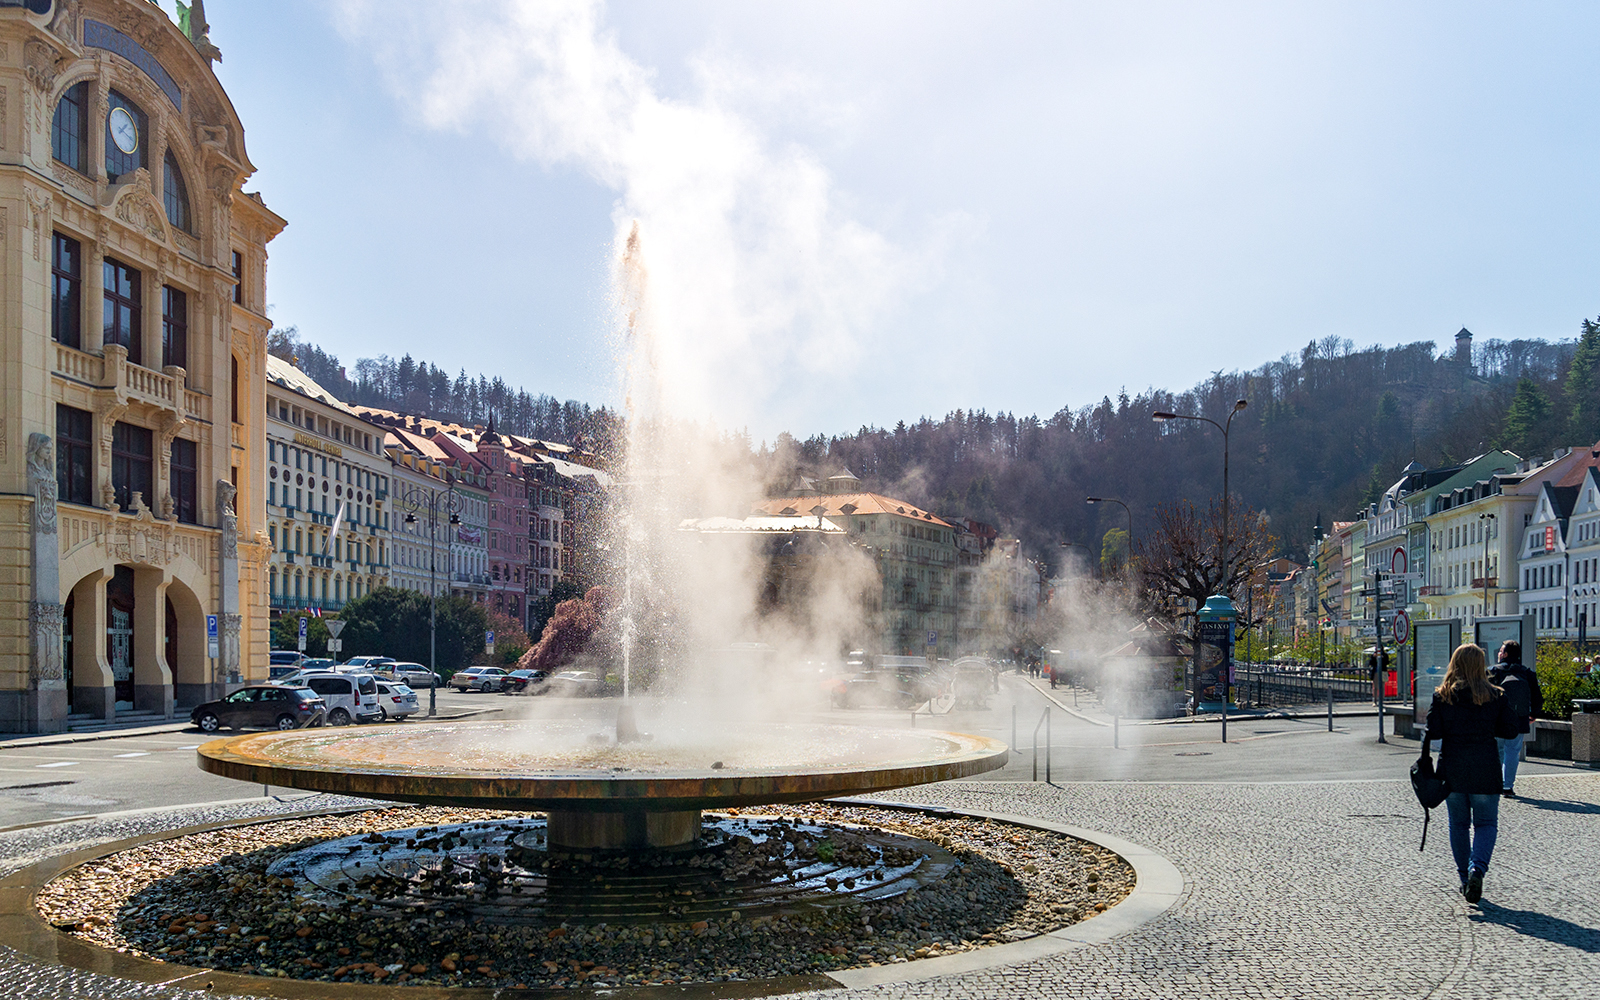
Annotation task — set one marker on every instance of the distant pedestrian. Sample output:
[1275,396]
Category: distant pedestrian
[1521,686]
[1467,716]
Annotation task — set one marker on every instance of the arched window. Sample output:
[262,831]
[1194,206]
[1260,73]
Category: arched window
[233,389]
[69,132]
[176,194]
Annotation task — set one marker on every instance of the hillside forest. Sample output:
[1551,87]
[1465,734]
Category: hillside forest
[1327,429]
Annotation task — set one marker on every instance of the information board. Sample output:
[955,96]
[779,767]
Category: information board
[1213,661]
[1435,641]
[1491,632]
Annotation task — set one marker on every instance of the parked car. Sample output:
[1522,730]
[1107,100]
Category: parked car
[478,679]
[396,701]
[277,673]
[519,681]
[350,697]
[413,675]
[318,663]
[575,684]
[262,706]
[285,658]
[368,662]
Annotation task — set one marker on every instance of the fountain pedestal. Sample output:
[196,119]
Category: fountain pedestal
[573,830]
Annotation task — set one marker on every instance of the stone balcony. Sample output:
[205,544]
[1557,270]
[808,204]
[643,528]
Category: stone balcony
[130,383]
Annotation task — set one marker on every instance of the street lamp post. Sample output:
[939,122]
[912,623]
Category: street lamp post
[1161,417]
[420,499]
[1087,554]
[1126,510]
[1487,520]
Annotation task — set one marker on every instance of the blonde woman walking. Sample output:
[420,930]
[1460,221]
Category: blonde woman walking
[1468,715]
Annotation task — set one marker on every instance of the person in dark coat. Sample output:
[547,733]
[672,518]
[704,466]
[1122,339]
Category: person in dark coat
[1467,716]
[1521,686]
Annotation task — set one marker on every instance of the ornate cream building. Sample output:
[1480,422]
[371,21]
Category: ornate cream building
[132,275]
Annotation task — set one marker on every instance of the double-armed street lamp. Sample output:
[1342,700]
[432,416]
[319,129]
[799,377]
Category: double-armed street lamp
[431,502]
[1162,417]
[1125,510]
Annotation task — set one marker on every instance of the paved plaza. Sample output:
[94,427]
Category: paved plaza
[1297,847]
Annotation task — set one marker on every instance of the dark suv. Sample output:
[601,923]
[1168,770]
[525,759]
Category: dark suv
[263,706]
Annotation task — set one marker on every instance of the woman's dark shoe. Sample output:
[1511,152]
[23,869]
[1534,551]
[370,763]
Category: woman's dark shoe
[1509,793]
[1474,890]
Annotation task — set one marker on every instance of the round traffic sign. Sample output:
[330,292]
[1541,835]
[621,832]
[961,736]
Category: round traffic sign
[1397,561]
[1402,627]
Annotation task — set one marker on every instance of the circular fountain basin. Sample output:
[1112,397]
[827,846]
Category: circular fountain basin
[602,795]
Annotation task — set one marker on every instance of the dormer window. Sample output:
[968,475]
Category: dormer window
[176,194]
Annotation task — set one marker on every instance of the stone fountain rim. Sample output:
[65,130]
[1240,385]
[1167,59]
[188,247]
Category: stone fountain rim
[1157,888]
[584,790]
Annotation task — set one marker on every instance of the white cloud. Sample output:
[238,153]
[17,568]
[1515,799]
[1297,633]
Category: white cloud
[756,271]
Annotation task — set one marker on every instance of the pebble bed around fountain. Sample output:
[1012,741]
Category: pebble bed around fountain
[240,899]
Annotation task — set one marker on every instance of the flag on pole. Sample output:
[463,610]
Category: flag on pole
[316,612]
[333,532]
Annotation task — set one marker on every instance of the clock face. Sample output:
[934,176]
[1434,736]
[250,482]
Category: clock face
[124,130]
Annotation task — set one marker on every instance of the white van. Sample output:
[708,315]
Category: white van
[350,697]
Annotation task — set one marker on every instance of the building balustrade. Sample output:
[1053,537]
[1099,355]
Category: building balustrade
[164,390]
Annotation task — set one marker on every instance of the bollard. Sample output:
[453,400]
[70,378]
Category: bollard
[1044,720]
[1330,706]
[1116,732]
[1013,727]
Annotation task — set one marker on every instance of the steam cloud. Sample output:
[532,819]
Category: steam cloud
[759,282]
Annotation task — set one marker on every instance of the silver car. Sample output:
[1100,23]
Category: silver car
[413,675]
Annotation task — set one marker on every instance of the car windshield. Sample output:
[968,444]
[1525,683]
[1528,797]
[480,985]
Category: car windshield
[303,693]
[401,690]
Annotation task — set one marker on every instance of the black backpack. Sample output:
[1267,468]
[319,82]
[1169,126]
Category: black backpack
[1430,787]
[1518,693]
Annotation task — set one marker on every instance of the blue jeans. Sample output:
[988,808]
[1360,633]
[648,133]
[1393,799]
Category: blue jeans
[1474,824]
[1510,754]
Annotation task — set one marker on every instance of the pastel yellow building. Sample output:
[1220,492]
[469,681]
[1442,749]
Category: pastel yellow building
[132,272]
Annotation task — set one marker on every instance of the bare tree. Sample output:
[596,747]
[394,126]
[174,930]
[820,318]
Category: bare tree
[1184,558]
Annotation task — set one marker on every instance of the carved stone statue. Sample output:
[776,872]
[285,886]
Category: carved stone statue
[226,491]
[229,521]
[169,507]
[108,496]
[42,483]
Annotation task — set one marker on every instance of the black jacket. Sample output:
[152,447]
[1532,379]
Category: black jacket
[1470,758]
[1535,697]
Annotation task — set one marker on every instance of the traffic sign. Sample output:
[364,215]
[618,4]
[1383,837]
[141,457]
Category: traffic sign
[488,643]
[302,635]
[1397,560]
[212,645]
[933,637]
[335,645]
[335,626]
[1402,627]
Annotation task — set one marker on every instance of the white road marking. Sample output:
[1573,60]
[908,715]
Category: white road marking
[59,763]
[138,753]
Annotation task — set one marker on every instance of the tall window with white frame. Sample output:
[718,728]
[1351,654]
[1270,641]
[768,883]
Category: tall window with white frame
[174,327]
[176,194]
[69,132]
[185,476]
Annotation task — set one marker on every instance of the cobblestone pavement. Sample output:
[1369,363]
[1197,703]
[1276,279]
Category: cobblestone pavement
[1299,889]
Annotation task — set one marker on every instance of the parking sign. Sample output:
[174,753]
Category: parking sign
[933,637]
[302,635]
[212,650]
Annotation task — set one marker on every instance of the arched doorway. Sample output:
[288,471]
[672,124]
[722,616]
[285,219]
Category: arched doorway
[193,677]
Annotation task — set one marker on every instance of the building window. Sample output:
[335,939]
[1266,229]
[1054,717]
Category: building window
[126,128]
[238,278]
[121,322]
[174,327]
[132,463]
[66,284]
[69,134]
[233,388]
[176,194]
[74,455]
[185,480]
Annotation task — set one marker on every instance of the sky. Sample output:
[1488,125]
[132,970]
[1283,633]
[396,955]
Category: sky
[852,214]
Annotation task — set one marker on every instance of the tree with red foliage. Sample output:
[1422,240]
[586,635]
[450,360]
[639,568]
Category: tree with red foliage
[569,632]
